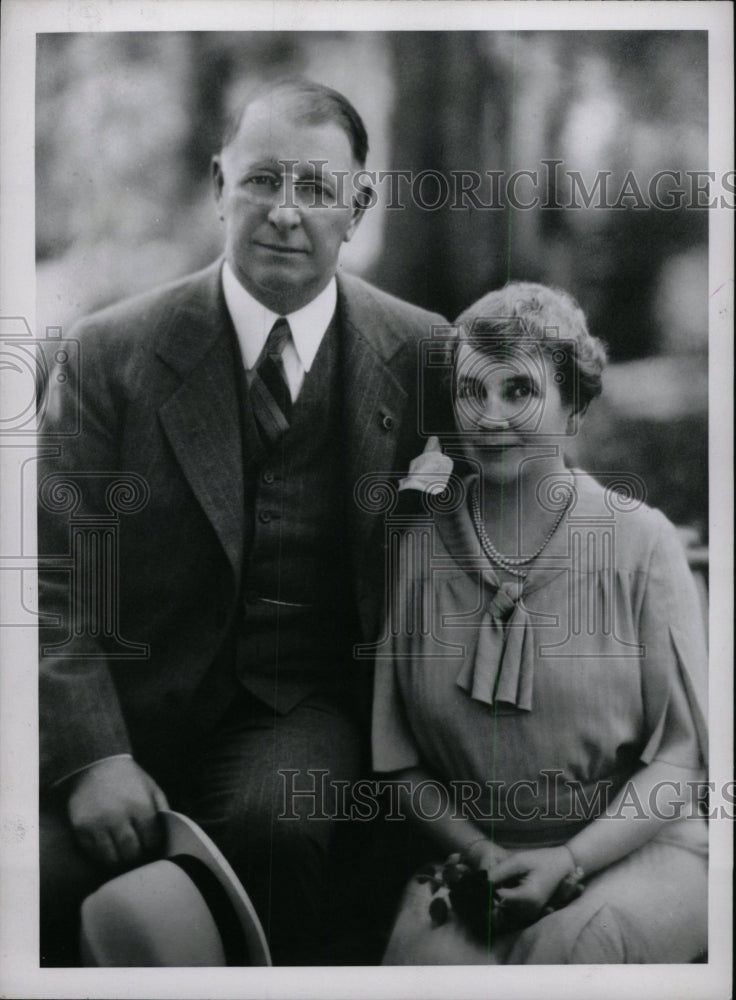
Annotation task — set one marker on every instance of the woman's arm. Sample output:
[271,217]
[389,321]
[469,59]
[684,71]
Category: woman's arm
[651,798]
[451,834]
[648,801]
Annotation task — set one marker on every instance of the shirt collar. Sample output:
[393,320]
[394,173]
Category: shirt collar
[253,321]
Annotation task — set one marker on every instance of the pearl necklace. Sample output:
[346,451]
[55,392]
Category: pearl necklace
[508,563]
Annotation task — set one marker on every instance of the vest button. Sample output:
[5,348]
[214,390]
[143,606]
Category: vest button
[387,422]
[268,477]
[264,516]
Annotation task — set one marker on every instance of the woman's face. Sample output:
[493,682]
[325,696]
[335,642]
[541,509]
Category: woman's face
[508,404]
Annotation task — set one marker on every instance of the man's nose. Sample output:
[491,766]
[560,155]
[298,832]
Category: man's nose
[284,215]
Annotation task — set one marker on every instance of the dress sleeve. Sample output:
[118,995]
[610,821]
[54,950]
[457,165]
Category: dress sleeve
[674,658]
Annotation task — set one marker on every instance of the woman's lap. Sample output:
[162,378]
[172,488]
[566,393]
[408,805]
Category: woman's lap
[651,907]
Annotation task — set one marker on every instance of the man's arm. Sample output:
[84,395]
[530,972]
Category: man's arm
[85,750]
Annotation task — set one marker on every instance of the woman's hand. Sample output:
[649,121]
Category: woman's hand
[484,854]
[429,471]
[525,881]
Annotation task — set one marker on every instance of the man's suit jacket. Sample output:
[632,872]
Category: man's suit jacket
[157,394]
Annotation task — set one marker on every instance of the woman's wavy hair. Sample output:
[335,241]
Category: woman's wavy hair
[523,311]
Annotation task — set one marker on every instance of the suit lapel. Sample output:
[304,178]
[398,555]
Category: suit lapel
[375,402]
[201,418]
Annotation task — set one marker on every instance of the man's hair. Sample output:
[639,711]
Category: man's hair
[522,311]
[313,104]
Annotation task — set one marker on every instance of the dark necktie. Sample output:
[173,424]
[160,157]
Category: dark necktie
[269,388]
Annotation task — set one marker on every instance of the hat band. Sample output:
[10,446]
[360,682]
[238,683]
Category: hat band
[220,905]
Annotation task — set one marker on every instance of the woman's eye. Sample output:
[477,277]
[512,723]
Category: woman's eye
[519,390]
[471,390]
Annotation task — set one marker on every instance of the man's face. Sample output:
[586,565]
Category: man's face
[285,192]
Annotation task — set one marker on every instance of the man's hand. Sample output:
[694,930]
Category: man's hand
[525,881]
[113,810]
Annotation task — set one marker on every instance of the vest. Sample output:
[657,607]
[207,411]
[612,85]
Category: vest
[296,620]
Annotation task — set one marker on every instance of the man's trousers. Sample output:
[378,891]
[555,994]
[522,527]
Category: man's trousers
[265,787]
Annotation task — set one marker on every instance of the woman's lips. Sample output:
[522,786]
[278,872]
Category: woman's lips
[496,445]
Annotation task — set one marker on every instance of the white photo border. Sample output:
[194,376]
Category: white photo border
[20,974]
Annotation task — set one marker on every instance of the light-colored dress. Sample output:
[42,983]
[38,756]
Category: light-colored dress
[542,703]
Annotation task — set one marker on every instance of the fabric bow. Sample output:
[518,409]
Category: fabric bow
[502,668]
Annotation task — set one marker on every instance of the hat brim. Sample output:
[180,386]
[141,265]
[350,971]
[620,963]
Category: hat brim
[184,837]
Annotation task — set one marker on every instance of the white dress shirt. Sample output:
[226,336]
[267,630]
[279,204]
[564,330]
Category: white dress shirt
[253,322]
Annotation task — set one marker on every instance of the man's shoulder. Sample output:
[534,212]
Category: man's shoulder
[135,318]
[367,301]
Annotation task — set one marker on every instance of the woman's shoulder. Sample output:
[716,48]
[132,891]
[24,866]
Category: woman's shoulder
[617,504]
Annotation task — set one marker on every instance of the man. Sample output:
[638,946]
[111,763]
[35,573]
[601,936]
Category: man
[242,404]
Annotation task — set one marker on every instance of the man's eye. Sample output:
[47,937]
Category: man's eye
[315,190]
[263,180]
[306,189]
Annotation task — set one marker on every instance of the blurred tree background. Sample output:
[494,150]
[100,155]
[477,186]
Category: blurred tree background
[126,124]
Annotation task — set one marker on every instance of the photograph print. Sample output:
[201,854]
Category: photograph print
[375,530]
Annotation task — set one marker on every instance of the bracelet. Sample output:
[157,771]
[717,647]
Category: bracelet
[568,888]
[577,874]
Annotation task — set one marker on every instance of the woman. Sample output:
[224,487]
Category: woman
[543,697]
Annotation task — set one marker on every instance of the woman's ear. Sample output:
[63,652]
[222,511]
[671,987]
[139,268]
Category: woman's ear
[576,418]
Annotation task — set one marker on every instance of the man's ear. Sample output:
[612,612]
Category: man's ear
[358,212]
[218,181]
[363,199]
